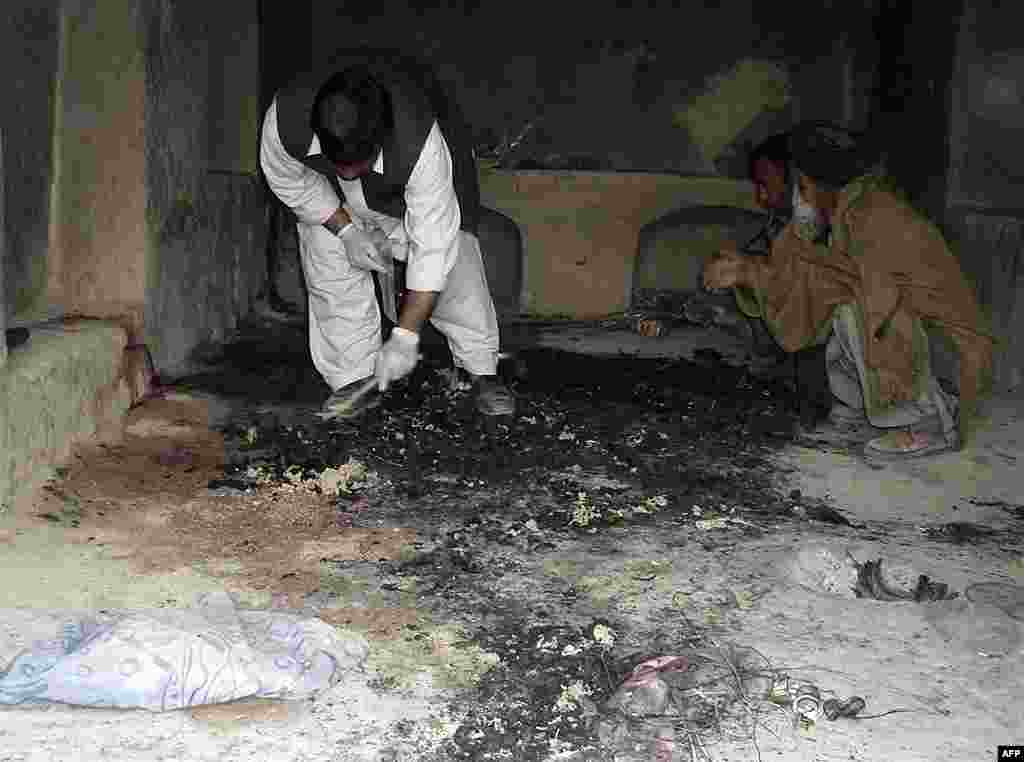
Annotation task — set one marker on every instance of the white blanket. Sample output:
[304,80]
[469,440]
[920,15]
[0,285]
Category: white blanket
[163,659]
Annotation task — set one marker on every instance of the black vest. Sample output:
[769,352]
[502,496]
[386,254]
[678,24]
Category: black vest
[417,100]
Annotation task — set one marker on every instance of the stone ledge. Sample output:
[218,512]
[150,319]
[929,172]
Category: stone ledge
[67,385]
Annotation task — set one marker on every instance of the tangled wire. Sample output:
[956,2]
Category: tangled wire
[727,693]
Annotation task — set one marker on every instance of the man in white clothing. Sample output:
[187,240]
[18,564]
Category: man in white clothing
[376,164]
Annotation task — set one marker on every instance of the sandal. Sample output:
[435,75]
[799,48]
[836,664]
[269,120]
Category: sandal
[842,414]
[839,434]
[905,445]
[871,584]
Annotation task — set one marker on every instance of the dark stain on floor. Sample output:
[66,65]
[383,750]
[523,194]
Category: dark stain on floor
[664,424]
[697,436]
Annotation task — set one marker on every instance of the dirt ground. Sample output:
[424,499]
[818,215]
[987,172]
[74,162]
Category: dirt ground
[511,576]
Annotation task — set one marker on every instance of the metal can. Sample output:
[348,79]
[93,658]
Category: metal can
[807,701]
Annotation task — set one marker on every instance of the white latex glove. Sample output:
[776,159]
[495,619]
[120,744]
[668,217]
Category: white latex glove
[361,250]
[397,244]
[394,244]
[397,357]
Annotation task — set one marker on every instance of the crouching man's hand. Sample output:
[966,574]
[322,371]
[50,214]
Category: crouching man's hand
[397,357]
[724,271]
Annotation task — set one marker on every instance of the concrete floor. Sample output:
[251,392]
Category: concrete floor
[953,667]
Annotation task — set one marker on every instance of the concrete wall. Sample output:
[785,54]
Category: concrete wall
[132,193]
[234,94]
[28,52]
[3,259]
[621,87]
[100,249]
[985,208]
[204,201]
[917,49]
[987,114]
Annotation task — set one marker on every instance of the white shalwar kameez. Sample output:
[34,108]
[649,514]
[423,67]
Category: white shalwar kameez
[344,318]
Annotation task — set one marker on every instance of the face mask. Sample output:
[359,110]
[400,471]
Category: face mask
[806,219]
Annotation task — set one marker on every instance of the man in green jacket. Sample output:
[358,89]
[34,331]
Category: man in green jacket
[884,272]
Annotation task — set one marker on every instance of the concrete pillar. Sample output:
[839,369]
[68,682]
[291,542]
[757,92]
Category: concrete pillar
[985,212]
[28,53]
[234,96]
[917,48]
[3,258]
[286,43]
[101,218]
[285,48]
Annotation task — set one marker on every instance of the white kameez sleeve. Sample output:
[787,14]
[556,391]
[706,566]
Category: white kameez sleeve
[303,190]
[432,217]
